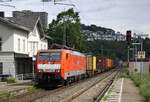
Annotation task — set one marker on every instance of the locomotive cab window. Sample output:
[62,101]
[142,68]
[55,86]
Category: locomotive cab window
[49,55]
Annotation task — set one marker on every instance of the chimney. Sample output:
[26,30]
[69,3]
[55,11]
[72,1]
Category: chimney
[2,14]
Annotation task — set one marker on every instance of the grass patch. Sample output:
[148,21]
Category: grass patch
[32,89]
[124,73]
[5,94]
[11,80]
[141,81]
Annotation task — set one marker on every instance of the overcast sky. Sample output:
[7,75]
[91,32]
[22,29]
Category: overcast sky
[119,15]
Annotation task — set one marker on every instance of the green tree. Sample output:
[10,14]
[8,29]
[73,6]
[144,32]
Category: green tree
[68,23]
[112,49]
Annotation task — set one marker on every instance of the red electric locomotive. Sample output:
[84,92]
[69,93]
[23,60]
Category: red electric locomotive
[59,66]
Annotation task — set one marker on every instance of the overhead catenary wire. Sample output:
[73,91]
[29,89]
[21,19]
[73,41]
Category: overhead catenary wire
[7,5]
[5,0]
[3,3]
[81,14]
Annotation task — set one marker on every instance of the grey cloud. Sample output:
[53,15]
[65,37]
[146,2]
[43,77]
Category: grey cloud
[117,14]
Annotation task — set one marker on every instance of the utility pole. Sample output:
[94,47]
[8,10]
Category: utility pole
[135,45]
[141,43]
[64,33]
[128,55]
[102,51]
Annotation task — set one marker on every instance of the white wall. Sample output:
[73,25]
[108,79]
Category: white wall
[137,66]
[10,37]
[35,43]
[7,37]
[23,37]
[8,63]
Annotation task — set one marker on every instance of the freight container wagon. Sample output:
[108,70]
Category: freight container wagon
[90,65]
[108,63]
[104,64]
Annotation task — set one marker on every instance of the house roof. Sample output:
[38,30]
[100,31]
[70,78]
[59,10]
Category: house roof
[29,21]
[26,21]
[14,24]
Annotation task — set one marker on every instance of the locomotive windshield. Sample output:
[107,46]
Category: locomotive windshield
[49,56]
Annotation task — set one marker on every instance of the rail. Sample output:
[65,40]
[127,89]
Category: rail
[38,94]
[105,89]
[78,93]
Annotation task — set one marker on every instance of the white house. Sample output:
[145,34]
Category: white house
[20,39]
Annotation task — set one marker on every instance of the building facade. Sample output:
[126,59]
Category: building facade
[20,39]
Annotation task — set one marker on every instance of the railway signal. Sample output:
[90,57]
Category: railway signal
[128,37]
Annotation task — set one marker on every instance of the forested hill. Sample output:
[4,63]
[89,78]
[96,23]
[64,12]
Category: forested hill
[95,28]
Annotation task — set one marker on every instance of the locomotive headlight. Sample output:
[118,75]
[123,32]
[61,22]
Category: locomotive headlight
[57,70]
[40,70]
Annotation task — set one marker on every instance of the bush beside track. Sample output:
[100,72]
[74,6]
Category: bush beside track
[142,82]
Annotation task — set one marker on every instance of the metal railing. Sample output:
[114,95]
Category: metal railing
[25,76]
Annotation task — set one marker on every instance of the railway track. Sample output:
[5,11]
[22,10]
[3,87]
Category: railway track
[114,92]
[74,90]
[105,89]
[96,96]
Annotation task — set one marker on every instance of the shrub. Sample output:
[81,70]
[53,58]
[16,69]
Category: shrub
[135,70]
[31,89]
[136,79]
[4,94]
[125,73]
[143,82]
[145,91]
[11,80]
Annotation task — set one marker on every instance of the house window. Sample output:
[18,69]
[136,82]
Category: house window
[1,68]
[24,45]
[34,47]
[0,44]
[18,44]
[41,46]
[31,46]
[44,46]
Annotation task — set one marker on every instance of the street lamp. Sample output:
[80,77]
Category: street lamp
[135,44]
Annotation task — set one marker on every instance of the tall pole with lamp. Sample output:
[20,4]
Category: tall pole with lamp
[141,53]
